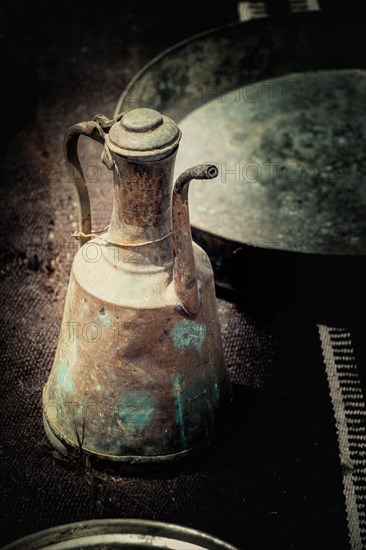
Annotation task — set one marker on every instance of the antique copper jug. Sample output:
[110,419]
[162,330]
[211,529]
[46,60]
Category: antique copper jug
[139,373]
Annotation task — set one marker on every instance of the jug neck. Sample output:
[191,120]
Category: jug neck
[142,211]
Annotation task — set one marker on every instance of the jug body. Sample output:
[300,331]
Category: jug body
[139,373]
[144,382]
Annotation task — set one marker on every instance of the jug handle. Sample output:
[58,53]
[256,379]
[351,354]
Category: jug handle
[95,129]
[185,276]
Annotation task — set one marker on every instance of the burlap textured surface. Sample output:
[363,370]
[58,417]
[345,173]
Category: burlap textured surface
[275,477]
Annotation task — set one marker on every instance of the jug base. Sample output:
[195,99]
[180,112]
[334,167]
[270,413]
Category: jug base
[65,446]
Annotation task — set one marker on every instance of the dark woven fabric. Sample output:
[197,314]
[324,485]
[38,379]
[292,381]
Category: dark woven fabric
[274,479]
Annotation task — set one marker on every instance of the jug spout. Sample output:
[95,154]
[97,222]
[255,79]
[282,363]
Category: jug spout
[185,275]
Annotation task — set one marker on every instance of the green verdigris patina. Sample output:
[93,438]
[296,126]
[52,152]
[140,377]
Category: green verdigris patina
[179,418]
[136,410]
[64,378]
[188,334]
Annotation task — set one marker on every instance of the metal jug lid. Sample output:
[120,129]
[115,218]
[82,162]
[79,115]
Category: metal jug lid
[144,134]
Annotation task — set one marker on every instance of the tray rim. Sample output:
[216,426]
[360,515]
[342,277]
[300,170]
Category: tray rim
[96,527]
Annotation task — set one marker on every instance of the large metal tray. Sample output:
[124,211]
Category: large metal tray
[279,106]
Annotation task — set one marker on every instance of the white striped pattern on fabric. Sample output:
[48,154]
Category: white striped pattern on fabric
[350,415]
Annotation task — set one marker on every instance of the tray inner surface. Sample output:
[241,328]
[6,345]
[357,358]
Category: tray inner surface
[291,162]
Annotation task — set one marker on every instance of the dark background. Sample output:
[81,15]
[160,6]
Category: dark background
[274,478]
